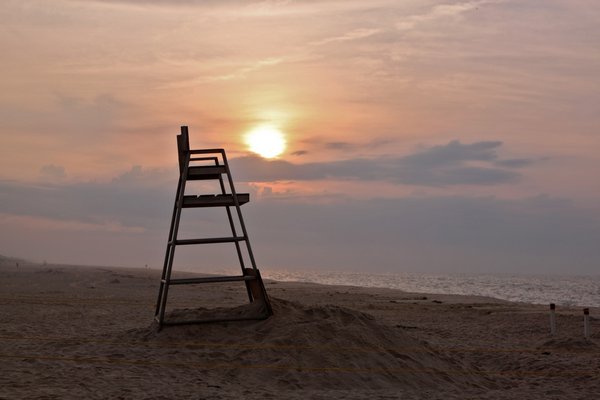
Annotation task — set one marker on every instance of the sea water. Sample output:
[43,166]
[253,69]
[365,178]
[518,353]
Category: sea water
[536,289]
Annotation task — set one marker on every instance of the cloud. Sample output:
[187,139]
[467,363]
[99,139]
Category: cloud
[439,12]
[339,145]
[242,72]
[167,3]
[79,122]
[141,199]
[375,143]
[134,200]
[125,221]
[348,36]
[53,172]
[250,8]
[454,153]
[514,162]
[477,234]
[452,164]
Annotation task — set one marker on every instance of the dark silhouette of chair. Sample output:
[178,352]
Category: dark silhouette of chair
[213,166]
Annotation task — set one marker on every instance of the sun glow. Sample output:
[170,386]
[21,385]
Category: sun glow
[266,141]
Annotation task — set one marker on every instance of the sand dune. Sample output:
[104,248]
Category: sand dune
[322,347]
[74,332]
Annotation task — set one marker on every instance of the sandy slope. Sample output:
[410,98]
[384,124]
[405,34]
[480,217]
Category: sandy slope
[68,332]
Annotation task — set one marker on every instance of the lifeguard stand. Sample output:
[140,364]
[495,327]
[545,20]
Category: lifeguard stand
[209,164]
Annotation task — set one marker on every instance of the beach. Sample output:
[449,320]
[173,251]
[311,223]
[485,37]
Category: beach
[88,332]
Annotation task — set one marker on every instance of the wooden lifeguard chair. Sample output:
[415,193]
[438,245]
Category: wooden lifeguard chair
[213,166]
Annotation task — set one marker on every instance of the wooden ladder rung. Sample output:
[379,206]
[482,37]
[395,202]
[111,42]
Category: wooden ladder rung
[210,279]
[219,200]
[209,240]
[204,172]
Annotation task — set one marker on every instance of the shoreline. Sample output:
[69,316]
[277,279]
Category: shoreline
[144,272]
[449,297]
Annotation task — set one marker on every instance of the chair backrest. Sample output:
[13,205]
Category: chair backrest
[183,147]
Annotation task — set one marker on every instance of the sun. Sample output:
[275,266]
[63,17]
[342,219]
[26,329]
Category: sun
[266,141]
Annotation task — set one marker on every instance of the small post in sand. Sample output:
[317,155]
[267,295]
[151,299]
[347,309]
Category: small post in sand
[552,319]
[586,323]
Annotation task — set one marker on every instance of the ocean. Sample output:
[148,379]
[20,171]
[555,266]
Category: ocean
[537,289]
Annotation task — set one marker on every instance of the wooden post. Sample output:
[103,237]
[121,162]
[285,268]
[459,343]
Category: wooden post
[552,319]
[586,323]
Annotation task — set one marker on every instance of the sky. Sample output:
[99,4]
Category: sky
[429,135]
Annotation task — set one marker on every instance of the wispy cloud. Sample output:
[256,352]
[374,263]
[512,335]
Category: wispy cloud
[243,71]
[439,12]
[348,36]
[300,54]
